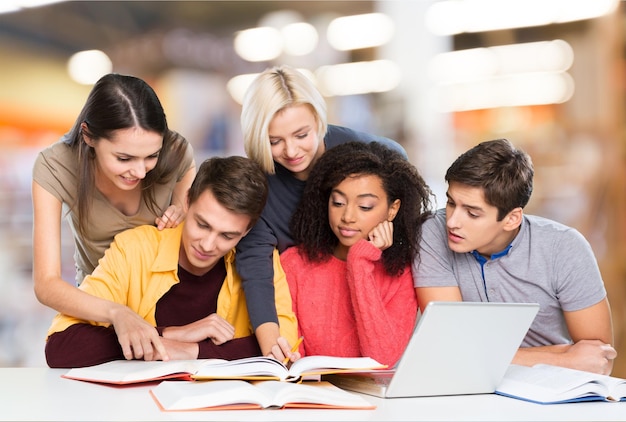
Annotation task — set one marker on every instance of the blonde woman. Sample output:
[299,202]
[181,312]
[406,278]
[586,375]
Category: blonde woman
[285,129]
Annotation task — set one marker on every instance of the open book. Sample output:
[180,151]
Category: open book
[548,384]
[253,368]
[238,394]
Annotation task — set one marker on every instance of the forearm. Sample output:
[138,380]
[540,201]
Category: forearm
[266,335]
[585,355]
[207,349]
[72,301]
[385,307]
[552,355]
[82,345]
[234,349]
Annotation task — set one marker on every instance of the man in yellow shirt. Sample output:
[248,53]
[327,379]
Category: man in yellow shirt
[182,281]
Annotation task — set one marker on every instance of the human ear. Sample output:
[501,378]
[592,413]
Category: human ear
[84,132]
[513,219]
[393,210]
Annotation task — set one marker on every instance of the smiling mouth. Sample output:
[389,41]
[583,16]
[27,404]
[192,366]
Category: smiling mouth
[294,160]
[202,255]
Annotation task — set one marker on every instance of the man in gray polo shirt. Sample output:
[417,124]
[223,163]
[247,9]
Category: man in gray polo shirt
[482,247]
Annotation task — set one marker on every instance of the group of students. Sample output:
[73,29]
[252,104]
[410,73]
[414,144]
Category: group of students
[321,232]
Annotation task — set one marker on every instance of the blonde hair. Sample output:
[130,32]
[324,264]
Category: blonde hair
[274,90]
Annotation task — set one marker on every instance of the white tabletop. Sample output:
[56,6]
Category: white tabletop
[40,394]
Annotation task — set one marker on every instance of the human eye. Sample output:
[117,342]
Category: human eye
[154,156]
[366,208]
[302,135]
[202,225]
[274,141]
[472,214]
[123,159]
[336,203]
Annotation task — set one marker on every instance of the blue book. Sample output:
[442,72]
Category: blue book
[549,384]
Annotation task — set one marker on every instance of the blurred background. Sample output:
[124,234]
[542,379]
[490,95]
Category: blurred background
[437,76]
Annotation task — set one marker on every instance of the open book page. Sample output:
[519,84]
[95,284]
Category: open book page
[553,384]
[253,368]
[134,371]
[257,368]
[320,365]
[311,394]
[238,394]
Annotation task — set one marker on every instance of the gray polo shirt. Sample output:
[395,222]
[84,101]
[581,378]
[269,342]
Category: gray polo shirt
[547,263]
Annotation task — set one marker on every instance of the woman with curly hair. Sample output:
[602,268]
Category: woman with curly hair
[357,230]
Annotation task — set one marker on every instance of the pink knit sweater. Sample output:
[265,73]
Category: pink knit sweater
[351,308]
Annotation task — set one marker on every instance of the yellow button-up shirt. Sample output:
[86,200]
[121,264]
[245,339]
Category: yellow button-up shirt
[141,266]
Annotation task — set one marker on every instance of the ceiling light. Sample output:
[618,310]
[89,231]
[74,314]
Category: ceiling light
[507,91]
[86,67]
[449,17]
[483,63]
[360,31]
[258,44]
[299,38]
[358,78]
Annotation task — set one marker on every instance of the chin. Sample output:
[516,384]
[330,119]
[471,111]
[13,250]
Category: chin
[455,247]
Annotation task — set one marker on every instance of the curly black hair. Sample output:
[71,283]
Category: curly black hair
[400,179]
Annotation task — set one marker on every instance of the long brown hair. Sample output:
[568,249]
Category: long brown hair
[120,102]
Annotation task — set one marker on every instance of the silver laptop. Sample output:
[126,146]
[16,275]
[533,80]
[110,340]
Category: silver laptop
[456,348]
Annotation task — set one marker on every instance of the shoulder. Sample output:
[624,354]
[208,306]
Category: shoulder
[59,152]
[291,255]
[56,169]
[149,248]
[435,222]
[188,158]
[294,260]
[550,228]
[337,135]
[549,235]
[140,235]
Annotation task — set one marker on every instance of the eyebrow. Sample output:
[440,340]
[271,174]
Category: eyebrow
[363,195]
[303,128]
[466,206]
[134,156]
[206,223]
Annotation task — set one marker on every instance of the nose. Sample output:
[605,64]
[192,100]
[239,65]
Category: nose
[207,243]
[139,170]
[452,218]
[291,148]
[348,215]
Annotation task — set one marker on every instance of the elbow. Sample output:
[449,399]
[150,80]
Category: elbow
[40,292]
[43,289]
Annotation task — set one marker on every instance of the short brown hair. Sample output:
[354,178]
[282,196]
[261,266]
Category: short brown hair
[503,172]
[238,183]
